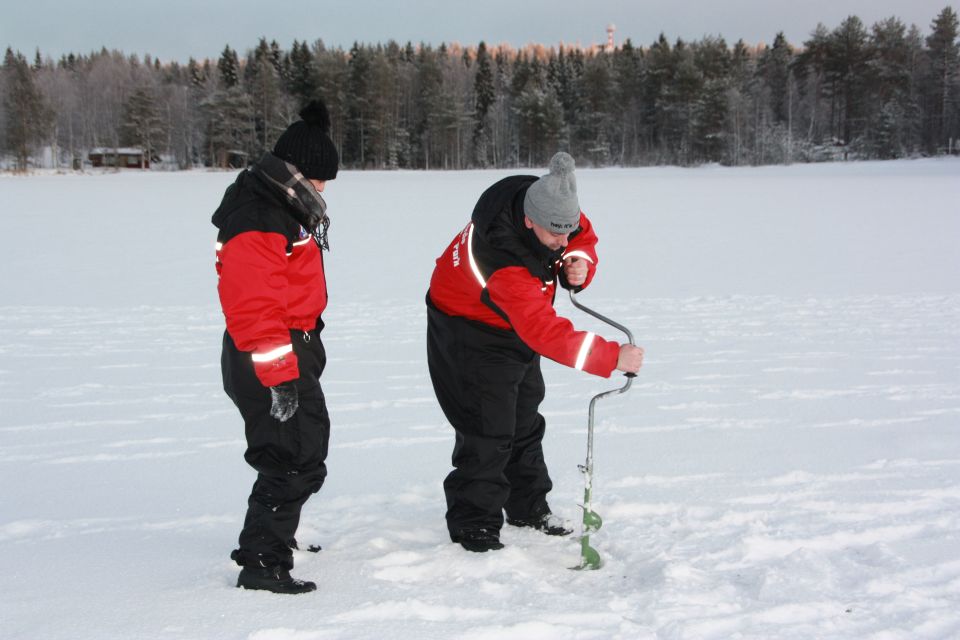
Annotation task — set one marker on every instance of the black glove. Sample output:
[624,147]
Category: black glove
[284,401]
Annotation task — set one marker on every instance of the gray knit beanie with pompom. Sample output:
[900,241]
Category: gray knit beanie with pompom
[552,201]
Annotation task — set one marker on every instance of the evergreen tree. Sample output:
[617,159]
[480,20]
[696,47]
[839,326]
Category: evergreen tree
[142,125]
[817,87]
[917,66]
[402,101]
[197,74]
[540,119]
[889,65]
[428,131]
[358,98]
[944,56]
[888,90]
[775,66]
[680,103]
[887,140]
[483,92]
[740,99]
[594,134]
[628,79]
[524,73]
[230,126]
[564,78]
[302,80]
[332,78]
[661,69]
[27,114]
[276,59]
[847,62]
[712,59]
[264,85]
[229,68]
[503,119]
[382,137]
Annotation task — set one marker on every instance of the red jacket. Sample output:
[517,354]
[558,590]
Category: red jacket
[271,278]
[486,276]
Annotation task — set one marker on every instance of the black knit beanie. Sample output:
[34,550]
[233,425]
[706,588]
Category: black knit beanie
[306,144]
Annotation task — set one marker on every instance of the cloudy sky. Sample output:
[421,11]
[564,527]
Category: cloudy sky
[179,29]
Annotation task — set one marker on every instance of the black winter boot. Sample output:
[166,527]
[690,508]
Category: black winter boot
[275,579]
[478,540]
[547,523]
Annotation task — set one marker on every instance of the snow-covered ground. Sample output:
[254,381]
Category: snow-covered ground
[787,464]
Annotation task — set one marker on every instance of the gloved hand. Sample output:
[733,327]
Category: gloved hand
[284,401]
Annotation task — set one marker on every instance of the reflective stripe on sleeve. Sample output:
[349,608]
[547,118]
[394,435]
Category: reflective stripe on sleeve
[584,350]
[473,263]
[578,254]
[273,354]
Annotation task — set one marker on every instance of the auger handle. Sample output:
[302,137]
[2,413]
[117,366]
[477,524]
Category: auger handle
[612,323]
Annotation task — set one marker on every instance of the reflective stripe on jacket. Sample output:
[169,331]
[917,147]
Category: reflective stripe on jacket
[494,285]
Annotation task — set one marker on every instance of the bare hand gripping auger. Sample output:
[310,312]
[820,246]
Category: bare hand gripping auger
[589,557]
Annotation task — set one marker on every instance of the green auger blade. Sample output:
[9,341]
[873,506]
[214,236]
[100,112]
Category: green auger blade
[591,521]
[589,557]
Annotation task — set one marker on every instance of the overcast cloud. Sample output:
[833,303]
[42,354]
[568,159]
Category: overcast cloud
[179,29]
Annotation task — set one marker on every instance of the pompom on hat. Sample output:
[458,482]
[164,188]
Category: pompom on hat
[552,201]
[306,144]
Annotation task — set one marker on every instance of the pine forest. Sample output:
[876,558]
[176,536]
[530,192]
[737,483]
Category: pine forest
[850,92]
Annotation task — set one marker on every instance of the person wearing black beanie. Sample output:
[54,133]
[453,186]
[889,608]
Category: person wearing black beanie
[272,232]
[306,144]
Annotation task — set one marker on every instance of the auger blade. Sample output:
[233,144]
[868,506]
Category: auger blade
[589,557]
[591,521]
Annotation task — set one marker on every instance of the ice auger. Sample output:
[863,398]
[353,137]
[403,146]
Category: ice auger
[589,557]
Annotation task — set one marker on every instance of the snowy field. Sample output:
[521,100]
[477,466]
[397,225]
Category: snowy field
[787,465]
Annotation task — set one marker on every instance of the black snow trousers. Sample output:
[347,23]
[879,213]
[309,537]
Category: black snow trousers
[288,456]
[490,387]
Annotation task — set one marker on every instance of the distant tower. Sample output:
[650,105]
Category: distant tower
[611,29]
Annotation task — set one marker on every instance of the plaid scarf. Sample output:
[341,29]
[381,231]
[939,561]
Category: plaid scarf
[308,206]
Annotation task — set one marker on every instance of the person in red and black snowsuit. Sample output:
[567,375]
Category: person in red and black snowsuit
[490,317]
[272,230]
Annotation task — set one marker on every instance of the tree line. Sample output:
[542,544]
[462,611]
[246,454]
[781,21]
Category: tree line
[847,92]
